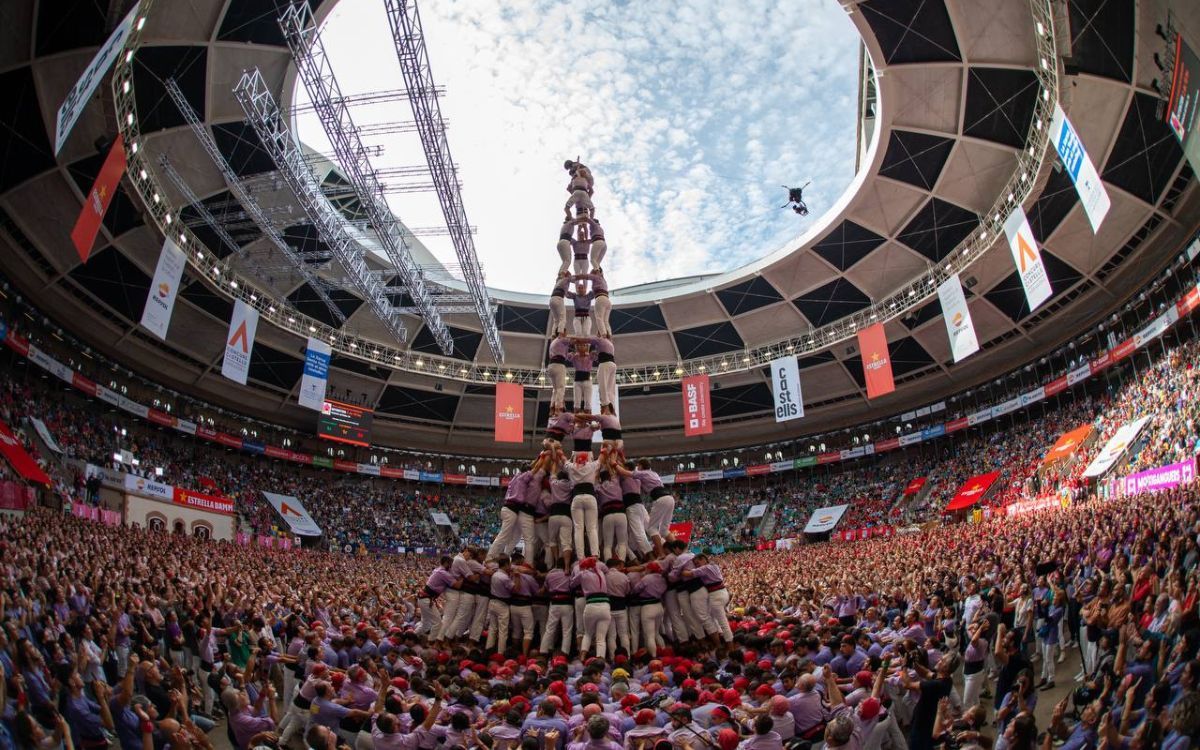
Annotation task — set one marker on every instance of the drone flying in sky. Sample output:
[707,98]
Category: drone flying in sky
[795,199]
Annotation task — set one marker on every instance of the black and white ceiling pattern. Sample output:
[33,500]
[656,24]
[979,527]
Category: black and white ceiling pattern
[957,93]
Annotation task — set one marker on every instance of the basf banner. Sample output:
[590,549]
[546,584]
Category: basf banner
[160,302]
[292,511]
[960,329]
[824,519]
[240,342]
[316,375]
[1027,258]
[876,362]
[697,417]
[1079,165]
[510,412]
[785,384]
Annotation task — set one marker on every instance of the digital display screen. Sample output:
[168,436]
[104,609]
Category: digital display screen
[345,423]
[1184,102]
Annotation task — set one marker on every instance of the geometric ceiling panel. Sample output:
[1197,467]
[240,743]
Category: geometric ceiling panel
[513,319]
[305,239]
[240,146]
[749,295]
[907,355]
[308,302]
[741,399]
[69,24]
[1052,206]
[912,30]
[228,213]
[213,303]
[351,364]
[707,340]
[830,302]
[1009,296]
[115,281]
[152,67]
[1146,152]
[1000,104]
[417,404]
[938,228]
[24,145]
[1102,37]
[637,319]
[274,367]
[254,21]
[847,244]
[466,342]
[915,158]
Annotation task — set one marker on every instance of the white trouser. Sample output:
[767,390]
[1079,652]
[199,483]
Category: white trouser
[583,516]
[431,619]
[541,613]
[634,618]
[694,628]
[579,602]
[449,613]
[463,616]
[601,310]
[297,720]
[289,684]
[582,393]
[559,535]
[699,602]
[606,379]
[561,620]
[661,511]
[540,534]
[1089,654]
[1064,635]
[525,523]
[506,540]
[521,620]
[652,620]
[581,202]
[674,615]
[478,617]
[718,601]
[564,254]
[638,519]
[614,527]
[558,384]
[1048,662]
[599,248]
[497,625]
[580,265]
[972,687]
[558,315]
[582,325]
[618,631]
[205,691]
[596,619]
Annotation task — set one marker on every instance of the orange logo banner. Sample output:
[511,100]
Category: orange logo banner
[876,362]
[95,205]
[510,413]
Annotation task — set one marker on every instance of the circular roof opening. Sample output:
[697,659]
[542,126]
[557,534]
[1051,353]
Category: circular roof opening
[691,117]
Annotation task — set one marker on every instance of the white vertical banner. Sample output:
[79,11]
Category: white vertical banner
[160,302]
[240,342]
[960,329]
[596,436]
[1079,165]
[785,384]
[316,374]
[1027,258]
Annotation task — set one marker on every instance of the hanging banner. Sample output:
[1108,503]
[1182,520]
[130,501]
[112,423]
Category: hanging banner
[1162,478]
[510,413]
[292,511]
[21,461]
[1079,165]
[148,487]
[1115,447]
[316,375]
[915,486]
[973,491]
[160,302]
[785,384]
[824,519]
[44,433]
[1066,445]
[681,531]
[201,501]
[1027,258]
[81,92]
[96,203]
[877,364]
[960,329]
[757,511]
[697,417]
[240,342]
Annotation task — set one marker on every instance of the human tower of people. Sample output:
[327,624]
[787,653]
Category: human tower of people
[597,569]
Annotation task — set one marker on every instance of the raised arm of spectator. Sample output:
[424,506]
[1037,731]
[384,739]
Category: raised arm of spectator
[832,692]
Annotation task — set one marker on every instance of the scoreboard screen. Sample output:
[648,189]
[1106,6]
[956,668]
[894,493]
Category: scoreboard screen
[345,423]
[1184,103]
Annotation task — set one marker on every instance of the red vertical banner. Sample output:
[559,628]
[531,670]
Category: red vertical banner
[876,362]
[697,414]
[87,226]
[510,413]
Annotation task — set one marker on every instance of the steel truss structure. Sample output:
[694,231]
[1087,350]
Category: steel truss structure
[315,72]
[265,118]
[409,38]
[297,261]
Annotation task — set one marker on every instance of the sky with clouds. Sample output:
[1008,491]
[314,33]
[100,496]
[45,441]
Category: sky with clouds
[691,116]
